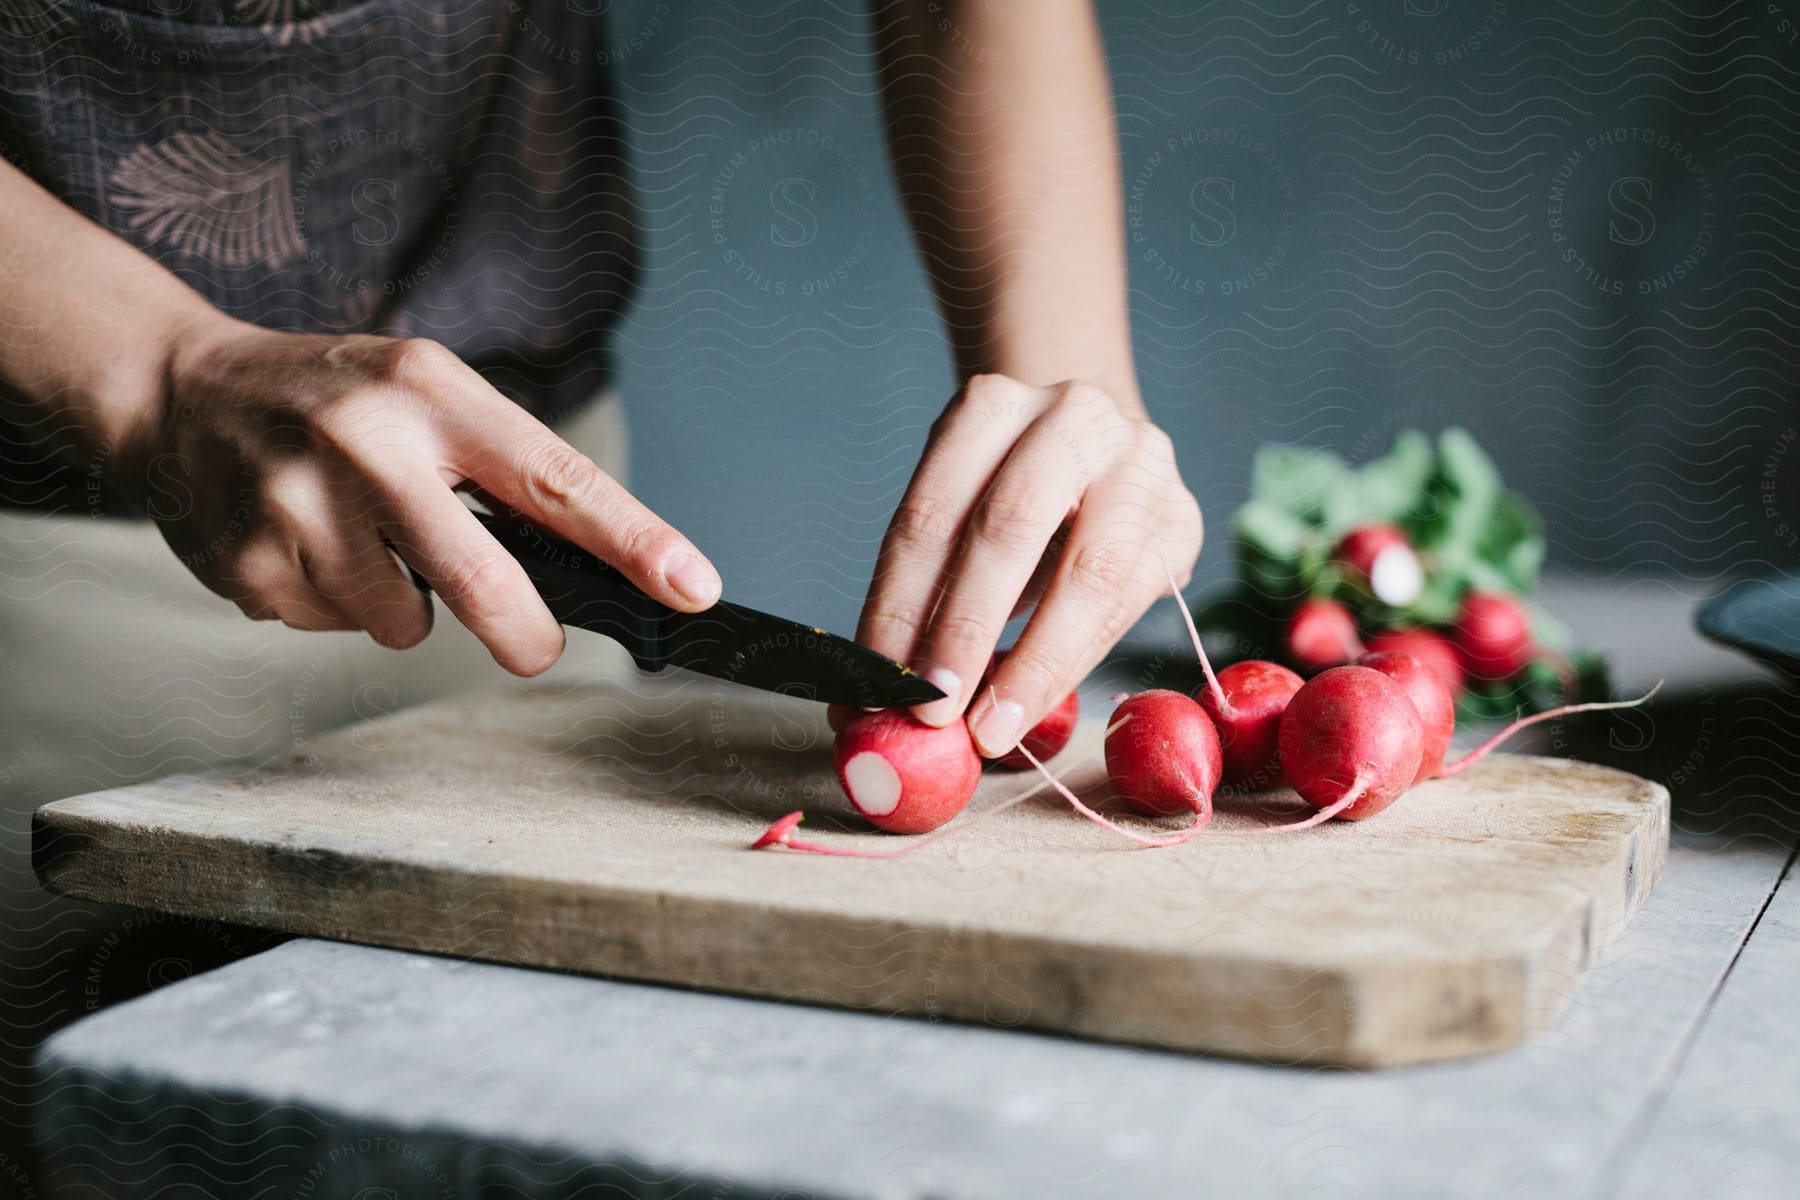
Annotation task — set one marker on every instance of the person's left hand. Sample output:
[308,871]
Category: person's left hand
[1057,498]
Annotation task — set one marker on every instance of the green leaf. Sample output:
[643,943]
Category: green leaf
[1467,466]
[1390,487]
[1271,530]
[1513,545]
[1438,603]
[1458,505]
[1298,479]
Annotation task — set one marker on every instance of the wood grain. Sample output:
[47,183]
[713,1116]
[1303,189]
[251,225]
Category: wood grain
[603,829]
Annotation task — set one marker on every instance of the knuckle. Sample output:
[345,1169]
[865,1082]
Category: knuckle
[922,522]
[1100,571]
[345,422]
[413,362]
[998,396]
[1033,669]
[889,626]
[561,478]
[986,386]
[1081,397]
[481,583]
[289,499]
[255,575]
[963,632]
[1009,518]
[1153,440]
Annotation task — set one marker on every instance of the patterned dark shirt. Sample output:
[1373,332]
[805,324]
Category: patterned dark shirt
[444,168]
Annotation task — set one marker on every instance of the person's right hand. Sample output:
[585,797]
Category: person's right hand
[277,465]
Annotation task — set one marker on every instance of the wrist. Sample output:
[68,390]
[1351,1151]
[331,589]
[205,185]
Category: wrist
[128,401]
[1111,375]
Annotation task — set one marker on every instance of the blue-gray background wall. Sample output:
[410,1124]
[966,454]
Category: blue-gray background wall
[1570,228]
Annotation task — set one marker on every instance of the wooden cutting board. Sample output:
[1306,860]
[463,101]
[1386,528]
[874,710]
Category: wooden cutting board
[603,828]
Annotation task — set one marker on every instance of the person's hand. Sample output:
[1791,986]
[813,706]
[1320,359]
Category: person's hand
[1053,498]
[280,467]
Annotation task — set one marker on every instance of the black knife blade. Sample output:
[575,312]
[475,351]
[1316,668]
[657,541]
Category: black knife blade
[727,641]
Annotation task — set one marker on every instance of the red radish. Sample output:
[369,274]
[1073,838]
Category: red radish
[1246,704]
[1379,557]
[1428,646]
[1493,635]
[903,775]
[1163,755]
[1430,699]
[1321,634]
[1047,738]
[1350,743]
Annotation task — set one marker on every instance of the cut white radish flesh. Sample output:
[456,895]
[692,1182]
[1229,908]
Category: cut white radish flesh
[1396,577]
[873,784]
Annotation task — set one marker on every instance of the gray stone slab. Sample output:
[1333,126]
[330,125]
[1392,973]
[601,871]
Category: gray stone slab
[319,1068]
[1730,1124]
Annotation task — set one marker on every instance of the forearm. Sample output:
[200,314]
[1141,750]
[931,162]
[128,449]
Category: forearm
[1000,126]
[86,319]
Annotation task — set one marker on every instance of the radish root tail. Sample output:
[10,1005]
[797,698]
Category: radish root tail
[1319,818]
[1187,617]
[1201,817]
[1482,751]
[780,835]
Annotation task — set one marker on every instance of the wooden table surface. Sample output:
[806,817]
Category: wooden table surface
[319,1069]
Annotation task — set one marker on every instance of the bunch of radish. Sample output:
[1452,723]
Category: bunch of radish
[1490,640]
[1350,741]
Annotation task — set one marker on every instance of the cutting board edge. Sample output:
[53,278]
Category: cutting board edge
[1520,1001]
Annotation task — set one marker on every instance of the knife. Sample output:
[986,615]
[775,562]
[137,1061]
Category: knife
[727,641]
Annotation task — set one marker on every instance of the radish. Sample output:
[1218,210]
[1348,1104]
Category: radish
[1493,635]
[1349,744]
[1047,738]
[1428,646]
[903,775]
[1321,634]
[1246,702]
[1163,755]
[1430,699]
[1378,557]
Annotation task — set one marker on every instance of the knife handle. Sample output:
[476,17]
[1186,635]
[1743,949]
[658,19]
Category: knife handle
[580,590]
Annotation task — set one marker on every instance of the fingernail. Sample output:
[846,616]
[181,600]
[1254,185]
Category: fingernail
[942,712]
[997,730]
[693,578]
